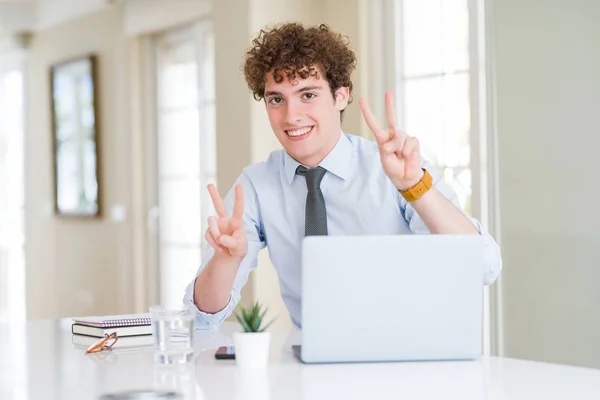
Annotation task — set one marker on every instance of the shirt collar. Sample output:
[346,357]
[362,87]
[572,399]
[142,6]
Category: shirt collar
[337,161]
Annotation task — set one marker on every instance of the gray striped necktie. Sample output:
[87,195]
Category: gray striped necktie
[315,222]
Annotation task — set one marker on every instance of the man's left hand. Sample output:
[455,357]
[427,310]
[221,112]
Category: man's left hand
[400,153]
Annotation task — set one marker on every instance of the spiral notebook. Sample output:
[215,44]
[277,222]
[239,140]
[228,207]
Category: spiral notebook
[123,325]
[115,321]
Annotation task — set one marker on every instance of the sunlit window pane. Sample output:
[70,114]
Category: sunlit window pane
[179,76]
[457,120]
[186,155]
[179,143]
[209,68]
[12,185]
[180,211]
[173,285]
[210,151]
[4,175]
[455,34]
[422,37]
[15,195]
[423,116]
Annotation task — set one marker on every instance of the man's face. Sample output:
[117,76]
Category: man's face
[305,116]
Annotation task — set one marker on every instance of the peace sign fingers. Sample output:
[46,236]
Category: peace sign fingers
[381,135]
[227,233]
[390,111]
[217,201]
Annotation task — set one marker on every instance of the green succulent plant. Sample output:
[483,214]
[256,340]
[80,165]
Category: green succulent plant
[252,319]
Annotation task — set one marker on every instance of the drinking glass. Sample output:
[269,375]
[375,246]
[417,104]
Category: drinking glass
[173,334]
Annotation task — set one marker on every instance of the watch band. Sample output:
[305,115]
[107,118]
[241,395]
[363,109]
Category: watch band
[415,192]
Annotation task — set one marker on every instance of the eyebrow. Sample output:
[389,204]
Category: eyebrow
[304,89]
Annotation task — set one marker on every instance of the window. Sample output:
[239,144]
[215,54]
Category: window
[437,75]
[434,86]
[185,153]
[12,199]
[12,188]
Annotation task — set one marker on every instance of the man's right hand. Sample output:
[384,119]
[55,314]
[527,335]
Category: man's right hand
[226,234]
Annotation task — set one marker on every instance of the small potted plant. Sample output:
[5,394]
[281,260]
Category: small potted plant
[252,345]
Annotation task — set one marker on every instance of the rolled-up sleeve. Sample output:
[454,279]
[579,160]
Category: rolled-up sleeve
[253,226]
[492,255]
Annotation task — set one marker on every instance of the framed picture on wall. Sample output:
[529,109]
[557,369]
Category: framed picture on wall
[74,109]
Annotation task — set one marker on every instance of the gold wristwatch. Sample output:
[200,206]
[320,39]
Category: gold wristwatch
[419,189]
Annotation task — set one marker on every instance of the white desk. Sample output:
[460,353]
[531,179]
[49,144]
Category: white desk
[38,361]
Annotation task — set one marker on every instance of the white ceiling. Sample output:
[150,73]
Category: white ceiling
[18,16]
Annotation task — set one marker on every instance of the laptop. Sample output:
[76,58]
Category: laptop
[391,298]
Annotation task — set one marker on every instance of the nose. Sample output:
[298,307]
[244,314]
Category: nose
[293,113]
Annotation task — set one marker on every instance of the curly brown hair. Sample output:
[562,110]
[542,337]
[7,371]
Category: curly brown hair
[290,49]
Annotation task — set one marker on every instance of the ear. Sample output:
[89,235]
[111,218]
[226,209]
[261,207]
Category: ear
[341,98]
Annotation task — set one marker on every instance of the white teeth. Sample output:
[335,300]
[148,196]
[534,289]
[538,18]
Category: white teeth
[299,132]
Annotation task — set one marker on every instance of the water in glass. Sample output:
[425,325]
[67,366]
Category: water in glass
[173,332]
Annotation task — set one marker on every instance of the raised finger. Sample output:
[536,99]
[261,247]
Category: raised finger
[236,223]
[372,121]
[238,208]
[390,111]
[217,201]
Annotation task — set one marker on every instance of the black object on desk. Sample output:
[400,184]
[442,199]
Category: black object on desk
[225,353]
[142,394]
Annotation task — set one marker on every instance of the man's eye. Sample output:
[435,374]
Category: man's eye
[275,100]
[309,96]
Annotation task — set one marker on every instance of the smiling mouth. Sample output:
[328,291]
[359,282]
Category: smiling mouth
[297,133]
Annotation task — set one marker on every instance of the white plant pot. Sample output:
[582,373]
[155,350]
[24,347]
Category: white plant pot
[252,349]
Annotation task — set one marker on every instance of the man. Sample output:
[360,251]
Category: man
[323,182]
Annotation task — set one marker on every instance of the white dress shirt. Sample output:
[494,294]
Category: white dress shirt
[360,200]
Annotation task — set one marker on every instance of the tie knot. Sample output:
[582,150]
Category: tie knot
[314,176]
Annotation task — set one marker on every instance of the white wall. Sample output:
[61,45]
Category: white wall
[548,105]
[77,266]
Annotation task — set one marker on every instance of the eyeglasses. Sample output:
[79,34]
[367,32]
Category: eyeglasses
[105,343]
